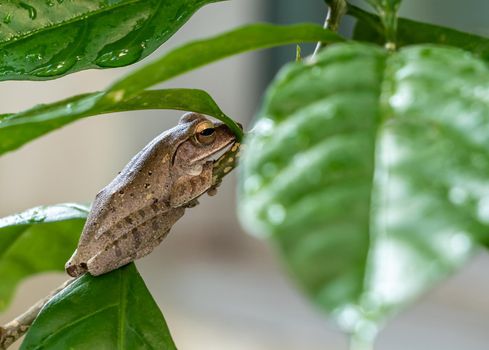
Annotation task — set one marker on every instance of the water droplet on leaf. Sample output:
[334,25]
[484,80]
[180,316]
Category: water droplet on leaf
[53,69]
[483,210]
[276,213]
[119,58]
[8,18]
[31,10]
[457,195]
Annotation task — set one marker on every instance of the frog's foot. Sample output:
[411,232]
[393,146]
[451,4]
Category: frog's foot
[192,203]
[76,270]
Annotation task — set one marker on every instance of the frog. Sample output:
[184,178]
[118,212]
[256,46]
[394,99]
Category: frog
[132,215]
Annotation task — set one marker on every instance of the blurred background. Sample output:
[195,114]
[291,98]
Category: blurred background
[219,288]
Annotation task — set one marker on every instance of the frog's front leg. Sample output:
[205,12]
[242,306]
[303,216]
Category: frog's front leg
[189,187]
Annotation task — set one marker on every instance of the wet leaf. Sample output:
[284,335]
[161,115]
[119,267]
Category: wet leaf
[46,39]
[38,240]
[20,128]
[369,170]
[112,311]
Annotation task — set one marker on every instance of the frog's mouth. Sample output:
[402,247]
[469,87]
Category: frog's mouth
[218,154]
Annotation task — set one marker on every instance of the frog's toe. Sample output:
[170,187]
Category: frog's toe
[76,270]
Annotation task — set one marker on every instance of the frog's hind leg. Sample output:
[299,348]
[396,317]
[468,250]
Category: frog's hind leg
[135,244]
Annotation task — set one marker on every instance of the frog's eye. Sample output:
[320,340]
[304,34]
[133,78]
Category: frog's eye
[205,133]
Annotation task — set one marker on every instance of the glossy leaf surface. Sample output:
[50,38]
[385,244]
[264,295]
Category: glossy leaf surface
[202,52]
[20,128]
[45,39]
[112,311]
[370,171]
[38,240]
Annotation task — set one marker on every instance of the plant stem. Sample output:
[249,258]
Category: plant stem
[16,328]
[388,14]
[336,10]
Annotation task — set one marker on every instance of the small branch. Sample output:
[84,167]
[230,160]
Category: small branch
[16,328]
[336,10]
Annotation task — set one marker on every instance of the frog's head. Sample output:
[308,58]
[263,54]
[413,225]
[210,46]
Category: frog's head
[203,140]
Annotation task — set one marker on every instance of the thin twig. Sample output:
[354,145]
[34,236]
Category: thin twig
[336,10]
[16,328]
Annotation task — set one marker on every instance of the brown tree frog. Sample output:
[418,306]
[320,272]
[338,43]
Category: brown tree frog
[134,213]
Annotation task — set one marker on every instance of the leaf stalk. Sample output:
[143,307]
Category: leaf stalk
[336,10]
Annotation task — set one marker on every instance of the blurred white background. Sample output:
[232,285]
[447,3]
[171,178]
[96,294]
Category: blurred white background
[219,288]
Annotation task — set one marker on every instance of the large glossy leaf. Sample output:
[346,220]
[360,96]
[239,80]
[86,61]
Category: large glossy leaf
[202,52]
[37,240]
[368,28]
[112,311]
[45,39]
[370,171]
[20,128]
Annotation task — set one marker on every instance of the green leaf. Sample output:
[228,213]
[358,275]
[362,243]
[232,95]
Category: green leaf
[112,311]
[45,39]
[38,240]
[368,28]
[20,128]
[202,52]
[369,170]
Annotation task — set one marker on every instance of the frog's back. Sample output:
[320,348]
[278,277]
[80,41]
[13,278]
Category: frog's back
[134,198]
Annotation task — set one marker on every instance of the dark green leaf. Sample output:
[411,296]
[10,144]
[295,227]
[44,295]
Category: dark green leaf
[368,28]
[45,39]
[202,52]
[37,240]
[20,128]
[370,171]
[112,311]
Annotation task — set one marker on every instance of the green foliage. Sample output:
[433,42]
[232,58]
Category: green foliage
[202,52]
[46,39]
[20,128]
[368,28]
[17,129]
[38,240]
[365,168]
[113,311]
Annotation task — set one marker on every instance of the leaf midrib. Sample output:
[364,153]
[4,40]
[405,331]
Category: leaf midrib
[122,307]
[71,324]
[373,230]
